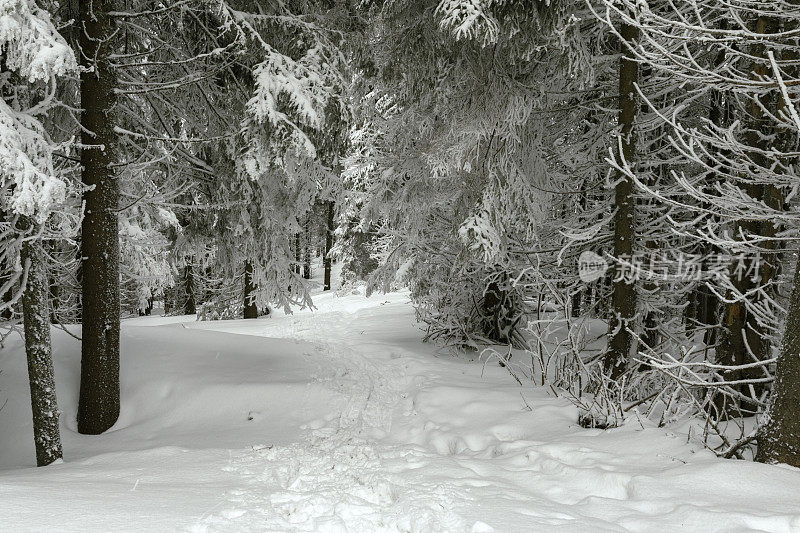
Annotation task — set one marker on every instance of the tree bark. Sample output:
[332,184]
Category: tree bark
[38,349]
[326,261]
[250,309]
[79,280]
[779,437]
[98,405]
[779,441]
[307,250]
[624,294]
[297,253]
[189,306]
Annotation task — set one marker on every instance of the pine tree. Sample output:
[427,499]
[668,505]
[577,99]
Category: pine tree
[624,296]
[307,244]
[189,305]
[33,203]
[329,228]
[35,306]
[779,440]
[99,402]
[250,308]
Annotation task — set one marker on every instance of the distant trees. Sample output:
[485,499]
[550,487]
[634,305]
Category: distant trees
[438,169]
[327,260]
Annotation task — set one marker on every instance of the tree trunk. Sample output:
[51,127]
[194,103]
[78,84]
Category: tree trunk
[307,250]
[98,405]
[624,295]
[6,313]
[167,297]
[742,335]
[326,261]
[297,253]
[779,441]
[38,349]
[575,310]
[708,304]
[79,280]
[250,309]
[189,306]
[779,438]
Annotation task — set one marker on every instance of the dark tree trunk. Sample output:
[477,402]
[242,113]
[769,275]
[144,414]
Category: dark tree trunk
[189,306]
[307,250]
[624,295]
[79,280]
[208,291]
[98,405]
[576,303]
[149,309]
[580,290]
[779,441]
[297,253]
[326,261]
[250,309]
[38,348]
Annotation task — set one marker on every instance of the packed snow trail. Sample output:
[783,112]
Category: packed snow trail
[341,420]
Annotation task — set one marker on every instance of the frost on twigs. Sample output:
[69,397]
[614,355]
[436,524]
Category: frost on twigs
[31,44]
[26,165]
[33,50]
[469,19]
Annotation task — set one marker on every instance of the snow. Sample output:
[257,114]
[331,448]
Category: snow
[340,419]
[31,43]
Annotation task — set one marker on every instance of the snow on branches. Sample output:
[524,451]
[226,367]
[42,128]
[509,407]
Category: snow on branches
[35,52]
[31,44]
[26,166]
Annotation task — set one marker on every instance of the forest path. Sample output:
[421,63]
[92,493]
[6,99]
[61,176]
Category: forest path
[341,420]
[428,442]
[339,477]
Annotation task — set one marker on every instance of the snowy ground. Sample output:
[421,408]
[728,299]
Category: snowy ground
[341,420]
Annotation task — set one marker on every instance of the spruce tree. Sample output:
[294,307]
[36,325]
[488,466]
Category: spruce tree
[99,401]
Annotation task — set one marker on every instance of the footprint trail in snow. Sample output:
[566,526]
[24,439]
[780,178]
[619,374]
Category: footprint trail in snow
[338,478]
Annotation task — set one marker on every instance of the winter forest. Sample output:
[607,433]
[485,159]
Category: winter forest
[399,265]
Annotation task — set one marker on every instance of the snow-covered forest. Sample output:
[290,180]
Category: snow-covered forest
[399,265]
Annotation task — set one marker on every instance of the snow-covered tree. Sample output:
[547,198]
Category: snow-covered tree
[34,194]
[451,164]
